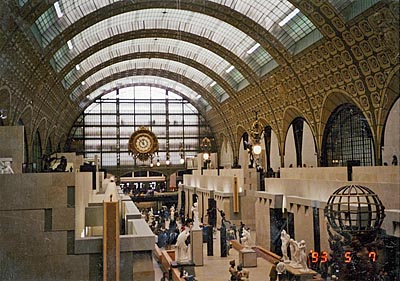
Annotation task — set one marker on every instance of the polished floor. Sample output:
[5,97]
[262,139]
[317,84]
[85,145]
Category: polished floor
[215,267]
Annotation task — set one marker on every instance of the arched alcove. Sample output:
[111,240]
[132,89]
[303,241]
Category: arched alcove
[347,137]
[391,137]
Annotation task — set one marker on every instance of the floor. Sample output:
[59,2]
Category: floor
[215,268]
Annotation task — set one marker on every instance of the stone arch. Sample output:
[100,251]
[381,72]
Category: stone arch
[332,100]
[290,114]
[226,152]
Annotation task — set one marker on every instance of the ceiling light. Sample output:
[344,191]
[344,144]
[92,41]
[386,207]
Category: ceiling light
[78,67]
[58,9]
[289,17]
[198,97]
[229,69]
[252,49]
[182,161]
[83,83]
[213,84]
[69,43]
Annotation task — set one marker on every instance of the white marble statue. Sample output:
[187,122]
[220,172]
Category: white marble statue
[196,221]
[5,167]
[285,237]
[182,253]
[246,236]
[294,253]
[172,213]
[151,216]
[303,256]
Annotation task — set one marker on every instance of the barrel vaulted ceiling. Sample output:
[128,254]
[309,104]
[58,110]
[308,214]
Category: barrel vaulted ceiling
[212,53]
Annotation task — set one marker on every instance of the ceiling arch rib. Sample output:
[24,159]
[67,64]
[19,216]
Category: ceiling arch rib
[223,34]
[157,64]
[202,95]
[180,89]
[154,45]
[219,85]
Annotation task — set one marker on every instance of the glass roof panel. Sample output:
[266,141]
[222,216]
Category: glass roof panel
[163,45]
[21,3]
[148,80]
[270,15]
[211,28]
[162,64]
[352,8]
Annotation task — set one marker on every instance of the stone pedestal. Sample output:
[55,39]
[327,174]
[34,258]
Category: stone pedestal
[299,273]
[248,258]
[196,246]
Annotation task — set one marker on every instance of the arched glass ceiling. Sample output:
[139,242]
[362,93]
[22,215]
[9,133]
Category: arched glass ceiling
[352,8]
[162,45]
[279,17]
[162,64]
[149,80]
[226,35]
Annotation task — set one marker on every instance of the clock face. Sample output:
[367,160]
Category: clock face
[143,143]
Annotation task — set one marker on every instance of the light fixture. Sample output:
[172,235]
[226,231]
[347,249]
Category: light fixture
[77,67]
[158,163]
[58,9]
[252,49]
[198,97]
[181,154]
[3,114]
[213,83]
[167,161]
[69,44]
[206,156]
[151,164]
[229,69]
[289,17]
[83,83]
[257,148]
[255,134]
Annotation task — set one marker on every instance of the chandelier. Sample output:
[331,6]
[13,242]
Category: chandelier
[256,131]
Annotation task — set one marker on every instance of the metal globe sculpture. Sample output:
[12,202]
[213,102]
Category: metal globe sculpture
[354,210]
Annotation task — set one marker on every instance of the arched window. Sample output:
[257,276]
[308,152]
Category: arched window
[49,147]
[347,137]
[108,122]
[36,152]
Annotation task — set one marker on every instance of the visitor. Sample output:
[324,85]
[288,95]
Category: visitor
[394,160]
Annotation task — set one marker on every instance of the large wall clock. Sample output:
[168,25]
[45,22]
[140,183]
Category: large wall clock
[143,143]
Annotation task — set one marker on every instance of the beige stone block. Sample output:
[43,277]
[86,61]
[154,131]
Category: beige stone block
[248,258]
[63,219]
[196,246]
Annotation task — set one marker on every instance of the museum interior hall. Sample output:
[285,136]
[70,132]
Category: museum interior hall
[199,140]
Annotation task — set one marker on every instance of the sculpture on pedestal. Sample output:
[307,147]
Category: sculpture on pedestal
[303,256]
[294,253]
[285,237]
[246,237]
[5,167]
[196,222]
[182,246]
